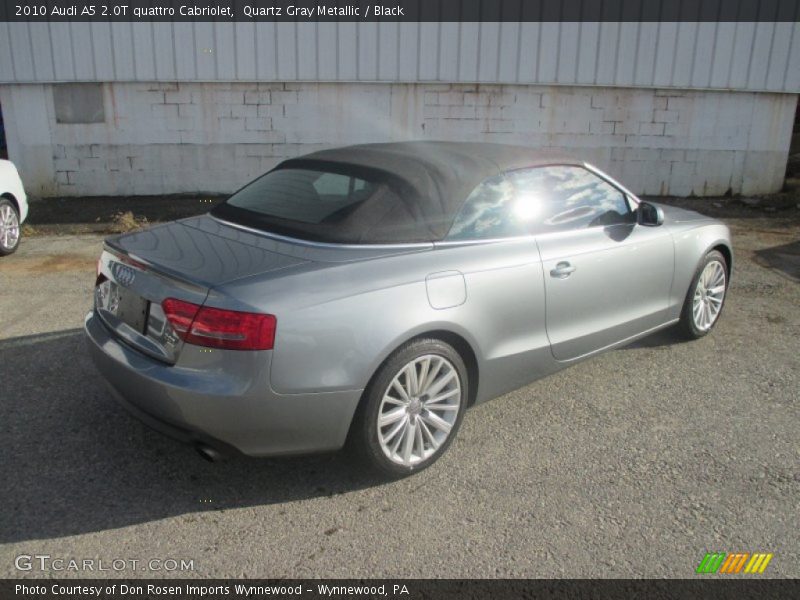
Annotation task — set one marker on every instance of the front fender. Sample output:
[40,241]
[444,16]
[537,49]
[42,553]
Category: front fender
[691,245]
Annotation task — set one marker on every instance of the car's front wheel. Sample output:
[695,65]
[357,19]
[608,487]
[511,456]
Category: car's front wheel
[9,227]
[412,408]
[706,296]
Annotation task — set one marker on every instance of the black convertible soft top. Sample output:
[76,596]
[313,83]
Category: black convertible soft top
[434,179]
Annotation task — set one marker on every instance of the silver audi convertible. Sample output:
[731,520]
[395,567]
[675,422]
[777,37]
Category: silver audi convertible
[367,296]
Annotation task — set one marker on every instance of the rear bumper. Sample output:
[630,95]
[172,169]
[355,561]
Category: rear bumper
[231,410]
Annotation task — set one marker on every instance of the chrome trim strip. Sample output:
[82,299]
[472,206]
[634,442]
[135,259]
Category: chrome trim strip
[531,237]
[291,240]
[451,243]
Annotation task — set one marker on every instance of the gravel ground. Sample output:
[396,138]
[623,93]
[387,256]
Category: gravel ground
[632,464]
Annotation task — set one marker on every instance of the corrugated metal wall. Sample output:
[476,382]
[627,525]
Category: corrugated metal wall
[740,56]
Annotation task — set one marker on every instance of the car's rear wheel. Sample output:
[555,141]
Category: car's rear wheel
[411,409]
[9,227]
[706,296]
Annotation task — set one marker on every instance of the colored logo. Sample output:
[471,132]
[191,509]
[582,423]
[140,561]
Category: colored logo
[742,562]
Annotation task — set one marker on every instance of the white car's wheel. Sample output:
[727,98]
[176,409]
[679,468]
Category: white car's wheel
[9,227]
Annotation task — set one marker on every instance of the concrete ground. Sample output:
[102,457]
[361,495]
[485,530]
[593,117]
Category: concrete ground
[632,464]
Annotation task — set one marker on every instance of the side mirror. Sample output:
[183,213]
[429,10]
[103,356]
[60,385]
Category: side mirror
[649,215]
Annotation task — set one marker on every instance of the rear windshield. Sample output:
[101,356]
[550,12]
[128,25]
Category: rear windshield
[329,204]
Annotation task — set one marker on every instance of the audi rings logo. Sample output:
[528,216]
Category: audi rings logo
[123,274]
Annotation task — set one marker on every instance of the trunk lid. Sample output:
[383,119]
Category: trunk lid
[186,260]
[137,271]
[202,256]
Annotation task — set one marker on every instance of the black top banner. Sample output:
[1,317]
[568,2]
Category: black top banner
[408,11]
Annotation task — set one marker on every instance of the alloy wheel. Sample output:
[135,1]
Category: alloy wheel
[418,409]
[709,295]
[9,227]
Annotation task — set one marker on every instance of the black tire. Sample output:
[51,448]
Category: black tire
[687,325]
[363,440]
[5,251]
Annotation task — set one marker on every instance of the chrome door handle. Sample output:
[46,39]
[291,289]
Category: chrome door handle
[562,270]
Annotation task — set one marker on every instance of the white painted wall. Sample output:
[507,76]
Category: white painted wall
[27,117]
[161,138]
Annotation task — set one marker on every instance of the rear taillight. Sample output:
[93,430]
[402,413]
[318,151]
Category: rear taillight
[218,328]
[180,315]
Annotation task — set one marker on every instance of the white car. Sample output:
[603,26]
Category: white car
[13,207]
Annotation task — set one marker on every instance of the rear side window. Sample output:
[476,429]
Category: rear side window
[560,198]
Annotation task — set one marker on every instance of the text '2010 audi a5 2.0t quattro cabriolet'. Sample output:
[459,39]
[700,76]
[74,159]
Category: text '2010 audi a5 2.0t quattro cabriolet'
[367,296]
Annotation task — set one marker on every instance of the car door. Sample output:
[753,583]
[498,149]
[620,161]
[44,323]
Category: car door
[490,245]
[606,278]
